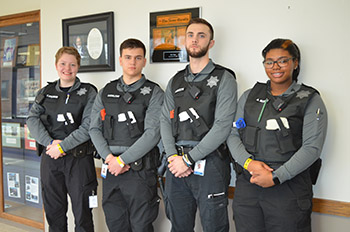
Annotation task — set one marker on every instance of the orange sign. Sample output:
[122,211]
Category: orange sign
[173,19]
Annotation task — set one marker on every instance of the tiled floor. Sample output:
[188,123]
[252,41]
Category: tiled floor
[10,226]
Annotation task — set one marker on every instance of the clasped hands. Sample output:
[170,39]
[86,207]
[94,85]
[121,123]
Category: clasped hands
[178,167]
[261,174]
[114,167]
[53,151]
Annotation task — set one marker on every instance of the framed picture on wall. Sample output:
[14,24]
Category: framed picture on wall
[8,58]
[167,34]
[6,92]
[11,134]
[33,57]
[93,37]
[22,53]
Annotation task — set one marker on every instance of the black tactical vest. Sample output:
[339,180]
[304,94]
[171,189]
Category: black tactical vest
[278,134]
[123,123]
[195,103]
[63,111]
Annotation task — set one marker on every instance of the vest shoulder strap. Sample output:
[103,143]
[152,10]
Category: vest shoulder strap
[39,99]
[89,85]
[310,88]
[220,67]
[182,72]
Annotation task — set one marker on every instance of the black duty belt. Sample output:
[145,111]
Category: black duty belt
[183,149]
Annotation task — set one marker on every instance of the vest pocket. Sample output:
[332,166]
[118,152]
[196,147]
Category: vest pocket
[249,136]
[108,125]
[285,141]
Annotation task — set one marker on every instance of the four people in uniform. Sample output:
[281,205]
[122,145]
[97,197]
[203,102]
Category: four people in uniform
[274,140]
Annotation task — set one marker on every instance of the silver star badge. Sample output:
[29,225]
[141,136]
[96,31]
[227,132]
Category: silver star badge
[82,91]
[145,90]
[213,81]
[301,94]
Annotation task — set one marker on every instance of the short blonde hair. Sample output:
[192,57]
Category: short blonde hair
[70,51]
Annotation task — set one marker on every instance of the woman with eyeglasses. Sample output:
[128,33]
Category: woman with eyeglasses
[276,142]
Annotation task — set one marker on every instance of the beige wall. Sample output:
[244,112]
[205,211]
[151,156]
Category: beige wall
[8,7]
[242,29]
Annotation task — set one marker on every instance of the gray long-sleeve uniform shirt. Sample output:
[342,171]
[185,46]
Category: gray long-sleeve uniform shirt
[224,114]
[77,137]
[150,136]
[314,134]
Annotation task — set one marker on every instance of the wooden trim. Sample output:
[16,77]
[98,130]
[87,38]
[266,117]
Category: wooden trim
[15,19]
[338,208]
[22,220]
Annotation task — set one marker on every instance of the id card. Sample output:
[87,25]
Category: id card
[199,167]
[93,201]
[104,169]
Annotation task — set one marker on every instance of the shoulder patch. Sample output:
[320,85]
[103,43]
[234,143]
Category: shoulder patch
[212,81]
[145,90]
[303,93]
[82,91]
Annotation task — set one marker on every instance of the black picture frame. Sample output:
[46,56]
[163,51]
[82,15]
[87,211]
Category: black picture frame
[167,34]
[96,34]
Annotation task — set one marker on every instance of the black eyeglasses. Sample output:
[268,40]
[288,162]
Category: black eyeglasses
[282,62]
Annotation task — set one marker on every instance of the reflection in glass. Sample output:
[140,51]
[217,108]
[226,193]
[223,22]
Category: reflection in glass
[20,80]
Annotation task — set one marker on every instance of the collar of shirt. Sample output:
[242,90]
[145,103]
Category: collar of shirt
[294,87]
[75,86]
[190,77]
[121,86]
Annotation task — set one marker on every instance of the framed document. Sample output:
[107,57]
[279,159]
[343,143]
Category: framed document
[11,135]
[6,92]
[93,37]
[167,34]
[33,57]
[9,54]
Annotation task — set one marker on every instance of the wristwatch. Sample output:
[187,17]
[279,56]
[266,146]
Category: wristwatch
[275,179]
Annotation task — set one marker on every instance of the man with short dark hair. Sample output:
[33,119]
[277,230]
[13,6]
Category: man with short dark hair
[125,130]
[198,111]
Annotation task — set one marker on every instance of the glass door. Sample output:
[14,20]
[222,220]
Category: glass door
[19,80]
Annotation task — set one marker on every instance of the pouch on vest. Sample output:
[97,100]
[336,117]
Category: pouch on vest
[199,127]
[108,126]
[284,138]
[249,136]
[133,127]
[175,122]
[71,126]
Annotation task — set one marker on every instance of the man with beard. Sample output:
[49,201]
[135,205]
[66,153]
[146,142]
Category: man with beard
[198,111]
